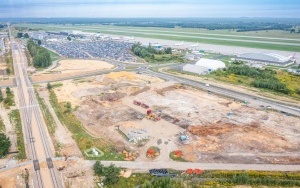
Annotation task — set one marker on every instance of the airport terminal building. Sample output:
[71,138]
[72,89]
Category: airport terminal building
[266,59]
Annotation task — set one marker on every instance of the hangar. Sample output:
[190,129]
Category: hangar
[204,66]
[266,58]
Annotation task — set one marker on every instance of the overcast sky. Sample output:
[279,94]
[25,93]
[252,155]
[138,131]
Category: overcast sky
[149,8]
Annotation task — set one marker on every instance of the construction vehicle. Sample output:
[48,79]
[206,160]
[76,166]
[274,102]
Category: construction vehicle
[144,105]
[153,117]
[177,86]
[149,112]
[111,99]
[183,137]
[137,103]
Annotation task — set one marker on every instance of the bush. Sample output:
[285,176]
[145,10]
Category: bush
[111,172]
[5,145]
[15,119]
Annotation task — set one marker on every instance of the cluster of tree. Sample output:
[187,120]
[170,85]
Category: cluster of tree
[153,55]
[111,173]
[263,78]
[149,51]
[270,83]
[68,107]
[5,145]
[2,26]
[21,35]
[9,62]
[41,56]
[9,100]
[294,30]
[245,70]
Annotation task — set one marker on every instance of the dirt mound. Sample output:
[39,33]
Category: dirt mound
[140,91]
[212,130]
[169,88]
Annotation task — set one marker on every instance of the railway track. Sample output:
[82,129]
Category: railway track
[31,119]
[26,121]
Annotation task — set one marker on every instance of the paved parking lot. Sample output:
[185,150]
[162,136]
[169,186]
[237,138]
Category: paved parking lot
[117,50]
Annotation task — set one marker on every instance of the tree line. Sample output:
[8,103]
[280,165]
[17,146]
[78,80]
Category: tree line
[21,35]
[41,56]
[4,140]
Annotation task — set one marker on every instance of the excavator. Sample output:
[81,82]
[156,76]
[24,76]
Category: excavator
[152,116]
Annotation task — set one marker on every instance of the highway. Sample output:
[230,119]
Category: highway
[37,142]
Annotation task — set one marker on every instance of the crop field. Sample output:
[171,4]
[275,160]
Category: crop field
[275,40]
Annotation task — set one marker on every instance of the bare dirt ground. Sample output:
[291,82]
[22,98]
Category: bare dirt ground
[62,137]
[13,177]
[6,82]
[3,66]
[76,174]
[219,129]
[71,67]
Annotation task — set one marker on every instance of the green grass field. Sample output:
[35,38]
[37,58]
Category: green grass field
[15,119]
[53,56]
[284,40]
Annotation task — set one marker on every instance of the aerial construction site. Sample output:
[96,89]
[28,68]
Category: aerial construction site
[89,110]
[138,111]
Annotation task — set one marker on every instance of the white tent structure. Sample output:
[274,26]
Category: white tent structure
[204,66]
[210,64]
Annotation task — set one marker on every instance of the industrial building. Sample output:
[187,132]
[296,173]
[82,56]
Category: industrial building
[204,66]
[266,59]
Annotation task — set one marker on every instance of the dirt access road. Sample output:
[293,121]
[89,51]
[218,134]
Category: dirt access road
[145,166]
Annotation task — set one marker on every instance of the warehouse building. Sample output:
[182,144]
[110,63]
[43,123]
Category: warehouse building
[266,59]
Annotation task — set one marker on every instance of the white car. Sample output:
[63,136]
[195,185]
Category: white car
[207,85]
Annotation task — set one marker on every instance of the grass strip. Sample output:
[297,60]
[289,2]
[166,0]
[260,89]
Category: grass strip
[15,119]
